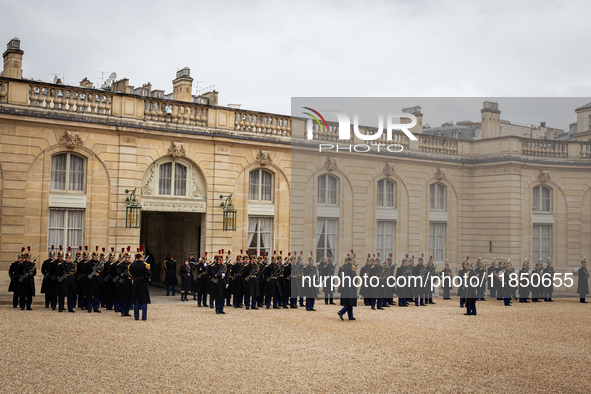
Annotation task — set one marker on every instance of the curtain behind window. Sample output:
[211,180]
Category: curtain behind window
[180,180]
[253,189]
[58,172]
[56,228]
[75,228]
[165,179]
[76,173]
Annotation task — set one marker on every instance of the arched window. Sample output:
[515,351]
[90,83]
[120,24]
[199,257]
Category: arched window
[542,199]
[328,190]
[437,197]
[172,179]
[260,185]
[386,193]
[68,172]
[456,133]
[438,133]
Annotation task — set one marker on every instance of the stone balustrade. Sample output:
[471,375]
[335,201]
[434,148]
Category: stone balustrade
[70,99]
[262,123]
[173,112]
[585,151]
[443,146]
[544,148]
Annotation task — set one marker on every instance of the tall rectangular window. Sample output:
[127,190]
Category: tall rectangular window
[437,241]
[328,189]
[180,180]
[165,180]
[437,197]
[67,172]
[260,185]
[66,228]
[386,191]
[385,238]
[260,234]
[326,238]
[542,242]
[542,199]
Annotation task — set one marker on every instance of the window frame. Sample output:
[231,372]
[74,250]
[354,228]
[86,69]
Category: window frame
[65,229]
[260,186]
[384,193]
[433,237]
[536,253]
[173,163]
[66,188]
[384,253]
[327,190]
[325,248]
[540,200]
[433,205]
[258,235]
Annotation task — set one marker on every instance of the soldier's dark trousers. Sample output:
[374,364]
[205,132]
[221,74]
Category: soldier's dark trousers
[310,303]
[462,302]
[124,307]
[348,309]
[374,301]
[116,304]
[14,300]
[326,298]
[136,310]
[293,302]
[53,301]
[417,301]
[583,299]
[93,301]
[81,300]
[471,307]
[168,290]
[47,300]
[219,304]
[548,296]
[202,297]
[507,300]
[446,294]
[402,301]
[493,293]
[25,301]
[71,301]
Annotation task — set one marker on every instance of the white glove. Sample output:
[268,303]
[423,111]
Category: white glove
[205,265]
[223,275]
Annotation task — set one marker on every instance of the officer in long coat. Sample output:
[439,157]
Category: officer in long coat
[13,273]
[309,289]
[471,290]
[93,297]
[66,282]
[583,284]
[185,274]
[124,285]
[200,273]
[347,288]
[48,283]
[140,291]
[26,282]
[170,280]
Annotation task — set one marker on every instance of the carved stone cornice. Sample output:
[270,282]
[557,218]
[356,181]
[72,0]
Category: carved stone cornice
[176,149]
[71,139]
[264,157]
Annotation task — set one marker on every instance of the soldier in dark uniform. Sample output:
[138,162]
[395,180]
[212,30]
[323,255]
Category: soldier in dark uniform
[81,278]
[296,283]
[55,284]
[524,290]
[390,273]
[462,288]
[309,290]
[329,271]
[492,283]
[322,273]
[285,282]
[185,274]
[114,282]
[237,281]
[446,283]
[170,279]
[13,274]
[419,272]
[212,269]
[364,274]
[536,281]
[218,280]
[124,284]
[481,274]
[471,290]
[504,289]
[66,282]
[402,284]
[347,289]
[583,284]
[48,284]
[106,298]
[272,285]
[93,297]
[374,290]
[200,270]
[140,291]
[549,273]
[251,286]
[26,281]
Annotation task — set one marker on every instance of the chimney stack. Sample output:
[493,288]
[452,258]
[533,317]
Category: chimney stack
[13,60]
[416,111]
[490,120]
[182,86]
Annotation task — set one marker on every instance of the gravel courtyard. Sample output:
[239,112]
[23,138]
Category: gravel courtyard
[525,348]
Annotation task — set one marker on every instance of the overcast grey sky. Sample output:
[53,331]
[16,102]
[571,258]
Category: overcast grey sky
[261,53]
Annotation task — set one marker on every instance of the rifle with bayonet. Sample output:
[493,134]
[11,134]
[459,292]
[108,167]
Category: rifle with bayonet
[28,271]
[217,277]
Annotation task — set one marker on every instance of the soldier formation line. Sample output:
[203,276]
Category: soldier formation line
[91,281]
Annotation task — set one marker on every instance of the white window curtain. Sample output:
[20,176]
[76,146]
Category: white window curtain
[536,199]
[381,193]
[437,234]
[75,228]
[165,179]
[385,238]
[545,199]
[66,228]
[180,180]
[331,237]
[266,229]
[322,189]
[260,232]
[437,197]
[319,234]
[76,173]
[542,242]
[252,228]
[332,190]
[58,172]
[326,238]
[389,194]
[56,228]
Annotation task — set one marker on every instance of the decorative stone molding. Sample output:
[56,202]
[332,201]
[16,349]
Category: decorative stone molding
[389,169]
[173,205]
[176,149]
[148,189]
[71,139]
[440,174]
[544,176]
[331,163]
[197,192]
[264,157]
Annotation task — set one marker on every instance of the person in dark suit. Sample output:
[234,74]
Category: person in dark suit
[140,292]
[200,273]
[471,290]
[218,281]
[347,288]
[170,279]
[492,283]
[66,282]
[93,297]
[124,285]
[583,284]
[524,290]
[462,288]
[446,283]
[48,283]
[309,289]
[549,273]
[185,274]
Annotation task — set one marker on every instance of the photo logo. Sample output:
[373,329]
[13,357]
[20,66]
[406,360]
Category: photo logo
[392,123]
